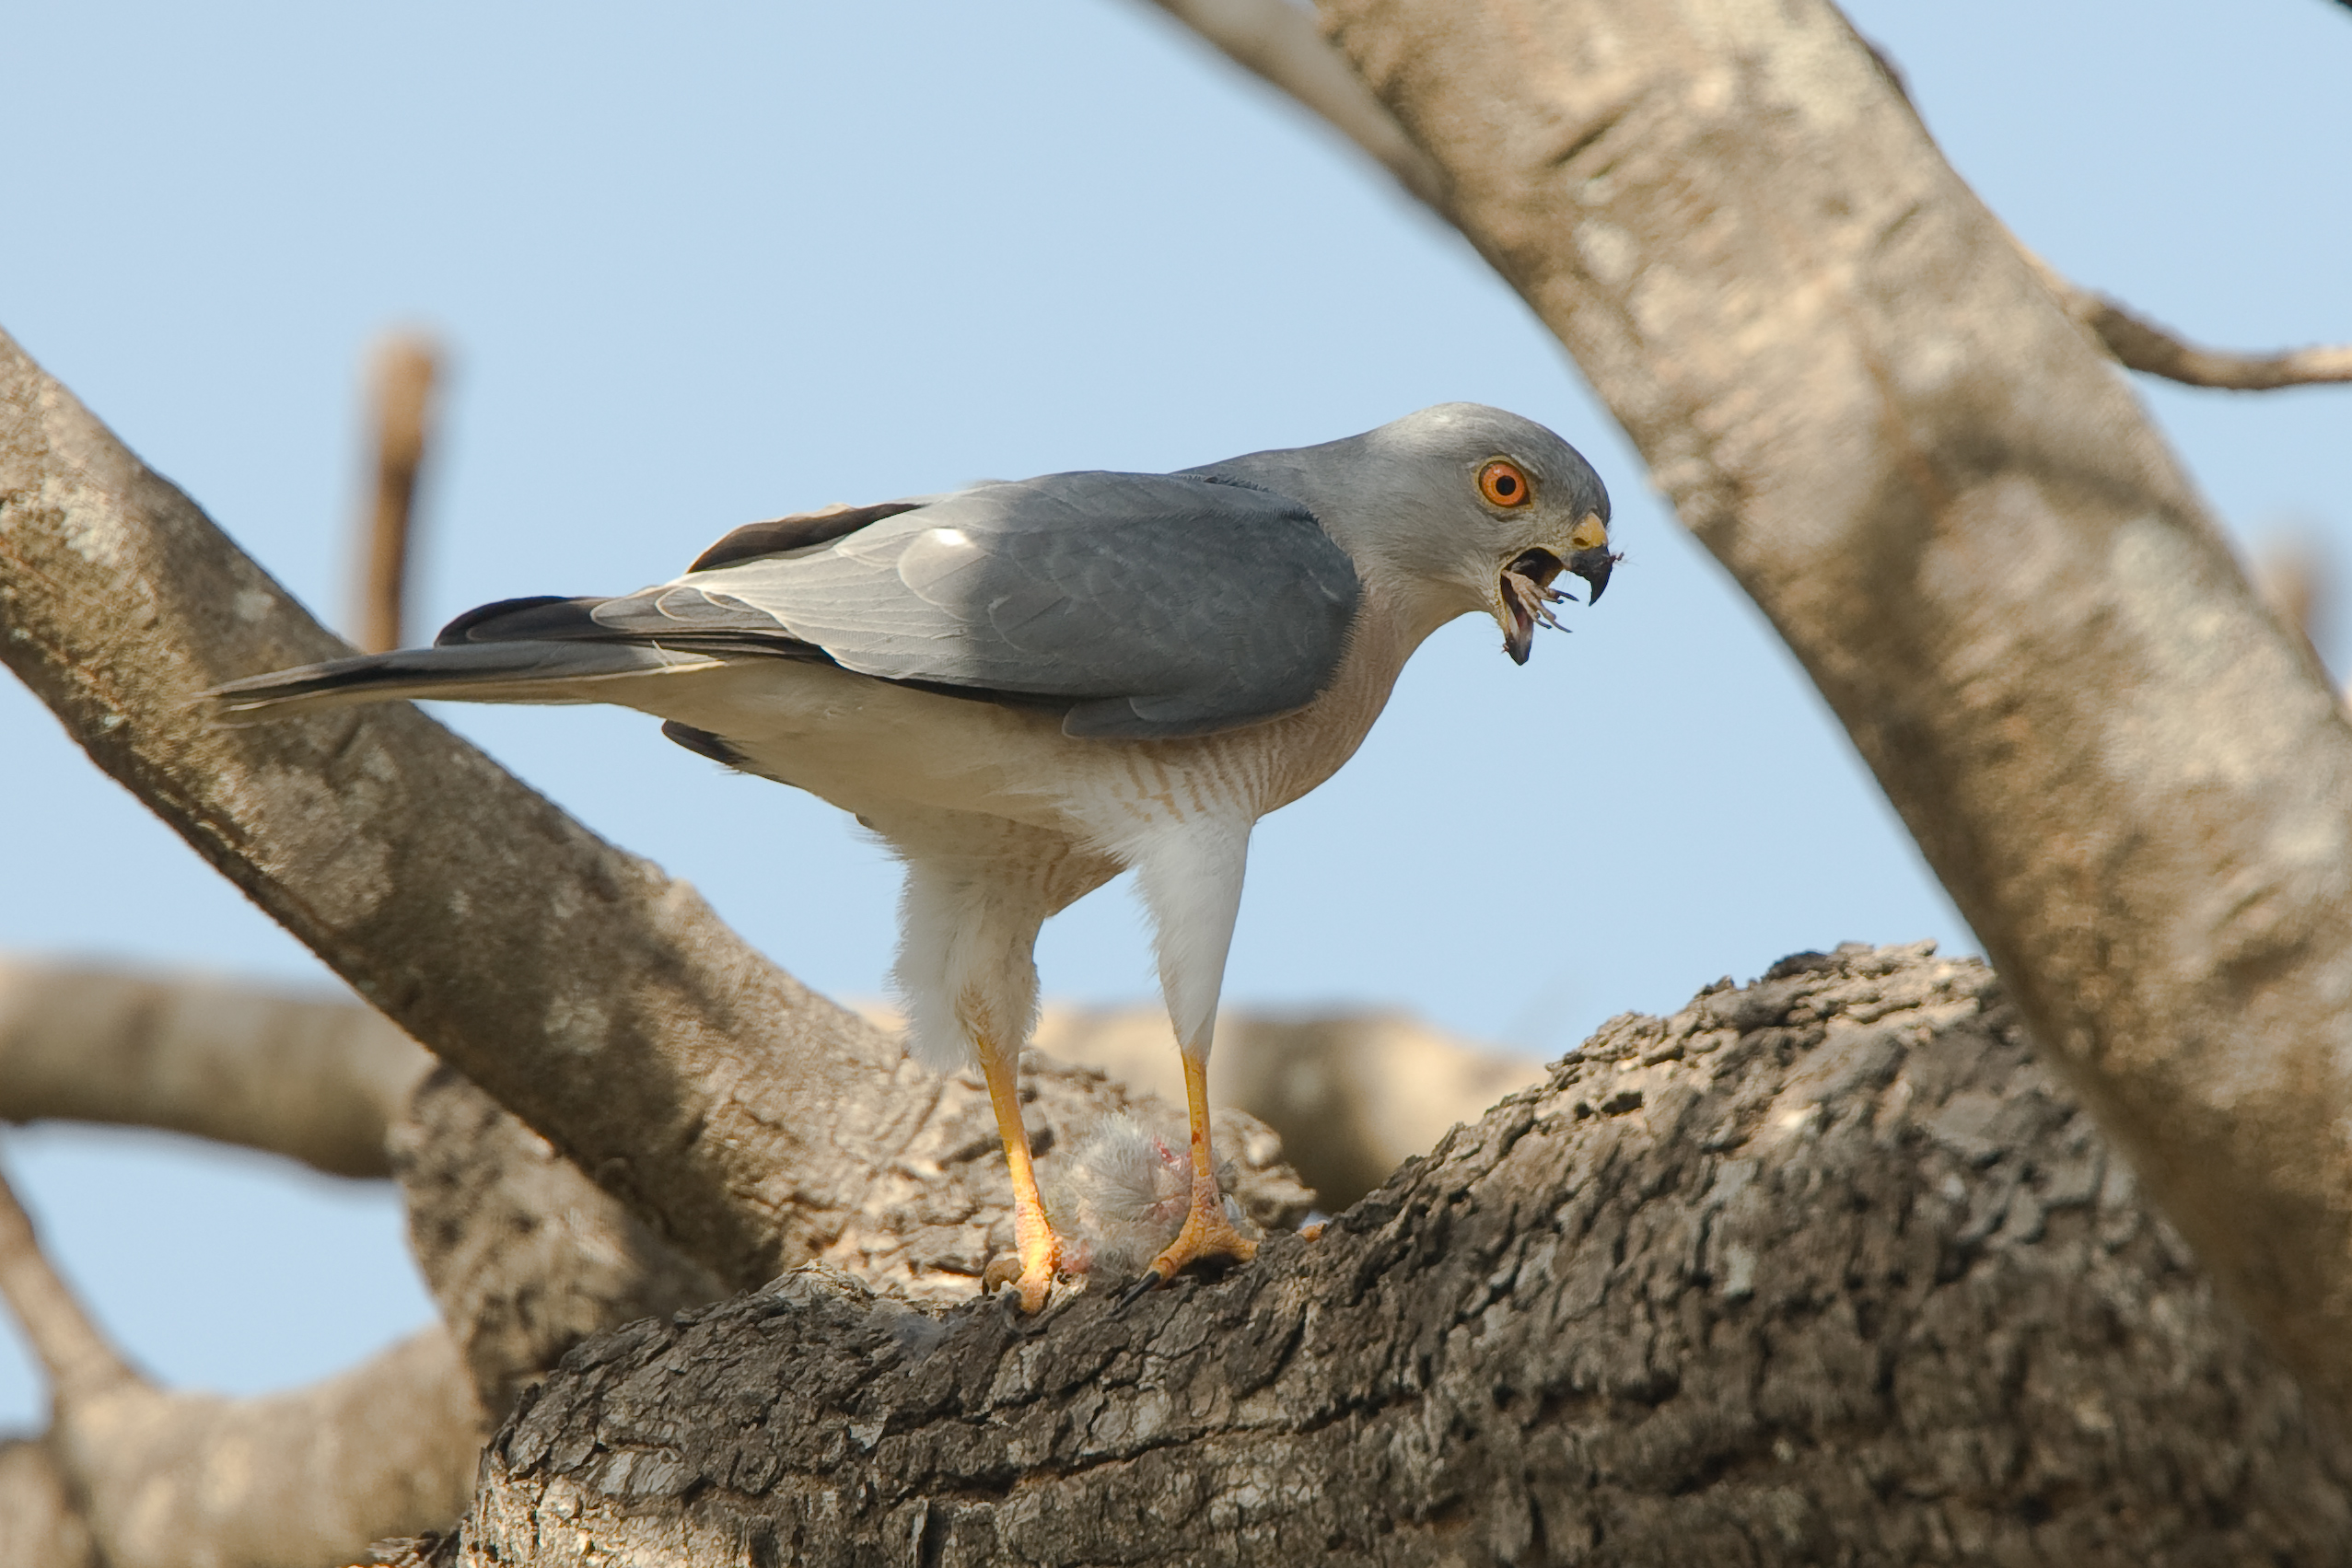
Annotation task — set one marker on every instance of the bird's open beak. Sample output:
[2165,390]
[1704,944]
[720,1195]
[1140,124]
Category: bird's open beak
[1526,589]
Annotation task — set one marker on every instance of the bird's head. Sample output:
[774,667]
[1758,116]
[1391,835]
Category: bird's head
[1460,508]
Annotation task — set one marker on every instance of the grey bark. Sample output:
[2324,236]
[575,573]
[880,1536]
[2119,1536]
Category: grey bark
[526,1257]
[179,1479]
[2135,781]
[1828,1269]
[141,1478]
[39,1525]
[312,1079]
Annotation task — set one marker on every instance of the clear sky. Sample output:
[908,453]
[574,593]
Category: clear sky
[703,264]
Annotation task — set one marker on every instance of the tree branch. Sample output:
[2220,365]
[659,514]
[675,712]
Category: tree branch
[40,1526]
[313,1079]
[79,1359]
[294,1480]
[1825,1271]
[2135,786]
[526,1257]
[160,1480]
[402,372]
[1278,41]
[2140,344]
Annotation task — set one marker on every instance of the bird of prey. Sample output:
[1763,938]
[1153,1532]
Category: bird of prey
[1026,688]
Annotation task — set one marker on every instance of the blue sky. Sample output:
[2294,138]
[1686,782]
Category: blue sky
[720,261]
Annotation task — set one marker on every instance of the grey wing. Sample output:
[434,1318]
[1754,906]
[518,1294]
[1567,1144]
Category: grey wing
[1143,605]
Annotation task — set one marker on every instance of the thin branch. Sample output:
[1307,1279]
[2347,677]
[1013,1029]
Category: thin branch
[76,1355]
[402,375]
[2140,344]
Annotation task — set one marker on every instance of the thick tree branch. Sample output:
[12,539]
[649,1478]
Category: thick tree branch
[41,1525]
[312,1079]
[1279,43]
[526,1257]
[2137,788]
[1825,1271]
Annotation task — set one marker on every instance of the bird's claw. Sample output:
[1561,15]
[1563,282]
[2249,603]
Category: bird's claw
[1141,1288]
[1208,1234]
[1031,1277]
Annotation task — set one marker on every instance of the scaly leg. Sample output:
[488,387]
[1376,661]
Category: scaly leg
[1036,1253]
[1206,1233]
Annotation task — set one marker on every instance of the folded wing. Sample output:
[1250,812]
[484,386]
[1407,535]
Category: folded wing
[1139,605]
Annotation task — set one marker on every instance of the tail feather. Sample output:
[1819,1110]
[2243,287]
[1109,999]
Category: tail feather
[471,672]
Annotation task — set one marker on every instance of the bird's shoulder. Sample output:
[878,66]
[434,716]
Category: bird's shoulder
[1082,511]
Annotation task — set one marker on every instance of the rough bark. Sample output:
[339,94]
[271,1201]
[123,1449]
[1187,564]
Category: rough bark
[1825,1269]
[2135,783]
[310,1078]
[526,1257]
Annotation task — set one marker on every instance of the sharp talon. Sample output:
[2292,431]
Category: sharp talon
[1141,1288]
[1207,1237]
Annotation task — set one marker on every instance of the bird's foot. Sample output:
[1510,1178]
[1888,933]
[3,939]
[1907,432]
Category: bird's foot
[1029,1270]
[1208,1234]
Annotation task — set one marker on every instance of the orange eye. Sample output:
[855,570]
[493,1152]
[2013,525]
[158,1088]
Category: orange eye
[1505,484]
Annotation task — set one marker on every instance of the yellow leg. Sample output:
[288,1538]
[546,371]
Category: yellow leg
[1036,1254]
[1206,1233]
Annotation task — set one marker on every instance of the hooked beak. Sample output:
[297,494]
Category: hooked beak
[1593,566]
[1592,558]
[1526,587]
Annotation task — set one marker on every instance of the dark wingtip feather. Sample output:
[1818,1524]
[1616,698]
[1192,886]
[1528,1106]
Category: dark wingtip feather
[540,618]
[797,532]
